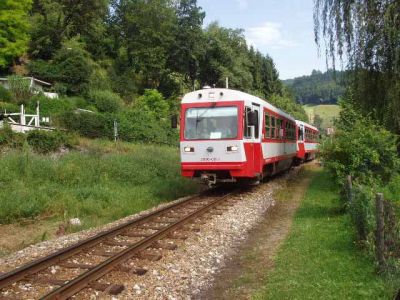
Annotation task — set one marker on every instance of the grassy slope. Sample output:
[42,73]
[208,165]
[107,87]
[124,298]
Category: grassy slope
[319,259]
[328,112]
[101,183]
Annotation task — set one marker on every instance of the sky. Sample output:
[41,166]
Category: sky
[283,29]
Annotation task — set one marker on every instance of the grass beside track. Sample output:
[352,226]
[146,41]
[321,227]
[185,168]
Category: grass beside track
[99,183]
[319,259]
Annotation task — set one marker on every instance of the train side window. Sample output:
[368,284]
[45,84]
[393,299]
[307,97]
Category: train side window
[267,126]
[293,131]
[287,130]
[278,127]
[257,125]
[273,127]
[300,133]
[290,131]
[247,128]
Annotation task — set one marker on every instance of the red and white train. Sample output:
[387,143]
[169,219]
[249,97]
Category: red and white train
[307,141]
[228,136]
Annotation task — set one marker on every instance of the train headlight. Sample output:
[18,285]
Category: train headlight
[188,149]
[232,148]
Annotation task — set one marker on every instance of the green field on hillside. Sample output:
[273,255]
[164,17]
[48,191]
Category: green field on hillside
[97,182]
[327,112]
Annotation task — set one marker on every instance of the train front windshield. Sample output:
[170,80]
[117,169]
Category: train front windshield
[211,123]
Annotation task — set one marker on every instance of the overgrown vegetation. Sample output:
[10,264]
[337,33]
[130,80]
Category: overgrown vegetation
[40,141]
[105,182]
[368,153]
[46,141]
[319,259]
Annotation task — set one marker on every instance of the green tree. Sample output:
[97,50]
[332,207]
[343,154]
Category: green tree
[54,21]
[14,30]
[368,32]
[152,101]
[318,122]
[226,56]
[188,47]
[74,67]
[143,35]
[106,101]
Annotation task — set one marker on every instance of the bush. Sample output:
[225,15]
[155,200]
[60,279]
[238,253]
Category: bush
[9,107]
[138,125]
[360,148]
[362,211]
[5,94]
[44,70]
[368,152]
[153,102]
[51,107]
[10,139]
[106,101]
[74,67]
[46,141]
[19,89]
[93,125]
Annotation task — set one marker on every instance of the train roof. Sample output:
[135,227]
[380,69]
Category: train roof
[221,95]
[298,122]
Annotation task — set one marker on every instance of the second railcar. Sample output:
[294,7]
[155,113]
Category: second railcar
[307,141]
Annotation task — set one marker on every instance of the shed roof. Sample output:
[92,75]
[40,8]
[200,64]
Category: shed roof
[31,78]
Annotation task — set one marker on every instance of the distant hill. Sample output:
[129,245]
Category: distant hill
[317,88]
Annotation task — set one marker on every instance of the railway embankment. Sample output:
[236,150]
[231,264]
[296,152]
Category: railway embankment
[97,182]
[185,271]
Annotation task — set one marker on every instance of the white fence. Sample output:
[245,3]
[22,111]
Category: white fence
[22,122]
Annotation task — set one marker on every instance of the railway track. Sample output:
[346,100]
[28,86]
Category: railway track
[112,250]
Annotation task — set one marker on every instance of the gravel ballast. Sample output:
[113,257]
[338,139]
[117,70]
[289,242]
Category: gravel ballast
[182,273]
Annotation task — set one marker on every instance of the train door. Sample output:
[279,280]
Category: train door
[256,139]
[301,150]
[252,138]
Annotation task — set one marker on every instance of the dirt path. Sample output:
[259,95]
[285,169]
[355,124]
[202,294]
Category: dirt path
[248,268]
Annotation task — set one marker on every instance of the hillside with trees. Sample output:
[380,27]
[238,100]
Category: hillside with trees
[127,60]
[318,88]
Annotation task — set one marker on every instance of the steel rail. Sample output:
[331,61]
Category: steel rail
[74,286]
[40,264]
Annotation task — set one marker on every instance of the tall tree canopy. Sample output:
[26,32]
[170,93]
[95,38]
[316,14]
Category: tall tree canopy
[58,20]
[367,33]
[14,29]
[101,47]
[188,48]
[144,34]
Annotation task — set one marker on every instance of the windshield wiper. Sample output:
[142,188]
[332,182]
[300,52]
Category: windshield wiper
[200,118]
